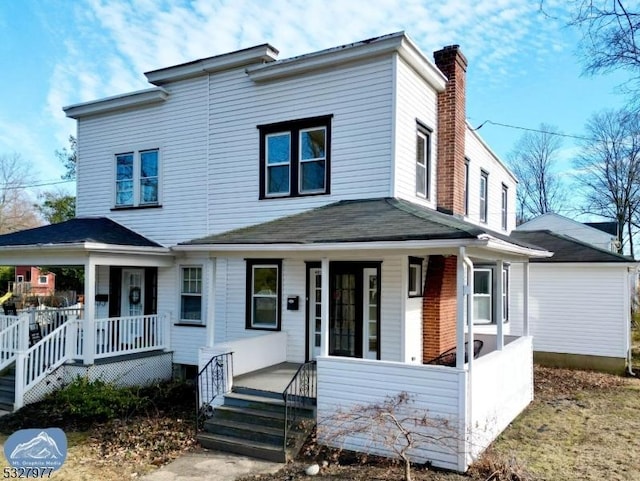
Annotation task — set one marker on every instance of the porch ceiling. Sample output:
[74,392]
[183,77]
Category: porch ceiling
[383,223]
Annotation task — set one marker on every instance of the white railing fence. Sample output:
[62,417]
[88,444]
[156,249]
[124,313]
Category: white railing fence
[128,335]
[33,364]
[49,320]
[6,321]
[13,338]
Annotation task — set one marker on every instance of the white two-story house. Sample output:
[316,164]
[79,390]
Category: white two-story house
[332,209]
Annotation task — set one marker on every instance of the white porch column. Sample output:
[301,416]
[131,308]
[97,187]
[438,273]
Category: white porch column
[525,298]
[211,301]
[498,308]
[470,337]
[324,321]
[88,327]
[461,291]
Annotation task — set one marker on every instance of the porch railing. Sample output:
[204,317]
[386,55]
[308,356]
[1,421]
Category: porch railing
[299,395]
[49,320]
[34,363]
[213,380]
[11,340]
[6,321]
[128,335]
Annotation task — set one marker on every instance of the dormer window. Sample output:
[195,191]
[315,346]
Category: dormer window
[295,158]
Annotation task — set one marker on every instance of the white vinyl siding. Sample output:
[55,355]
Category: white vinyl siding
[571,228]
[574,308]
[357,96]
[178,128]
[481,158]
[414,100]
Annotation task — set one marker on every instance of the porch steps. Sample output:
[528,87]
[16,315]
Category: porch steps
[251,422]
[8,388]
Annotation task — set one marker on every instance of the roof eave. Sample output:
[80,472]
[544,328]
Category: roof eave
[88,246]
[140,98]
[264,53]
[494,243]
[330,58]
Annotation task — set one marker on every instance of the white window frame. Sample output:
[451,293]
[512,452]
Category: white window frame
[505,294]
[278,164]
[504,278]
[199,283]
[415,277]
[489,295]
[302,161]
[484,196]
[467,163]
[137,179]
[252,295]
[41,281]
[504,207]
[423,163]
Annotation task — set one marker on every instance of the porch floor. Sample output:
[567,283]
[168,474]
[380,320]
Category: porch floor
[272,379]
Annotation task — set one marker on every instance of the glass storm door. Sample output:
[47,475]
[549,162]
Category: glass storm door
[315,311]
[132,292]
[345,315]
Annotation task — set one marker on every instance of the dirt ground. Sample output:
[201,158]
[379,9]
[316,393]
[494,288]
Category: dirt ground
[582,426]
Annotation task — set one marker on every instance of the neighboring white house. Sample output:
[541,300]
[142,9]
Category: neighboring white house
[333,207]
[600,234]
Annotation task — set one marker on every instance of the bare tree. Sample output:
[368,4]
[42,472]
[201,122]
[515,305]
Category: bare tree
[16,211]
[534,161]
[608,170]
[395,426]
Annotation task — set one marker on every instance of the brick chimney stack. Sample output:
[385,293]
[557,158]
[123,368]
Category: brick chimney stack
[451,130]
[439,301]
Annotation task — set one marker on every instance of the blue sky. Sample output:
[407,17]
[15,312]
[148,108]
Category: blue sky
[523,65]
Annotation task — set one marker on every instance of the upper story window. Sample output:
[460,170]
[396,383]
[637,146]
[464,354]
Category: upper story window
[295,158]
[484,195]
[466,187]
[423,161]
[42,279]
[137,178]
[504,210]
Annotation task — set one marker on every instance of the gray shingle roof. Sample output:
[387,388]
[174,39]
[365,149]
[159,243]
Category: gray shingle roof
[384,219]
[99,230]
[567,249]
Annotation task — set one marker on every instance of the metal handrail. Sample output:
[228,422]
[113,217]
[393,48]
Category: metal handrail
[300,393]
[212,380]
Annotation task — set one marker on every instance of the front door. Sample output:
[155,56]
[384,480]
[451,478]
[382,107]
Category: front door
[353,310]
[132,292]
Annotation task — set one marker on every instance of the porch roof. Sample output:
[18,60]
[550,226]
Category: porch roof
[88,230]
[362,221]
[568,249]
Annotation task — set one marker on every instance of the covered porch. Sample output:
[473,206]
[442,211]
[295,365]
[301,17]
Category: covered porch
[118,321]
[372,306]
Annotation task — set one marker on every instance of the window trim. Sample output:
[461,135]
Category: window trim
[181,294]
[422,131]
[46,280]
[467,166]
[137,179]
[504,206]
[417,264]
[295,128]
[484,196]
[490,295]
[251,264]
[505,279]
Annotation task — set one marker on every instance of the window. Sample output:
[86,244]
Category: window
[484,188]
[295,158]
[191,295]
[137,178]
[483,298]
[42,280]
[503,212]
[263,294]
[466,187]
[19,278]
[482,290]
[415,277]
[423,161]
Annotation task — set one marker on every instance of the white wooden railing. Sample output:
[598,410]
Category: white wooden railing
[117,336]
[6,321]
[10,339]
[35,363]
[50,319]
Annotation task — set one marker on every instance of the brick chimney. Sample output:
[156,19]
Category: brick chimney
[439,301]
[451,130]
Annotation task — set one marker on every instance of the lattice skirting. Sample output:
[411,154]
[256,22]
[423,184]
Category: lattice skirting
[126,372]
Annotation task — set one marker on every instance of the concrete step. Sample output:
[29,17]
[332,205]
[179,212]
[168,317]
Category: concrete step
[246,430]
[253,449]
[8,380]
[252,401]
[7,391]
[243,415]
[257,392]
